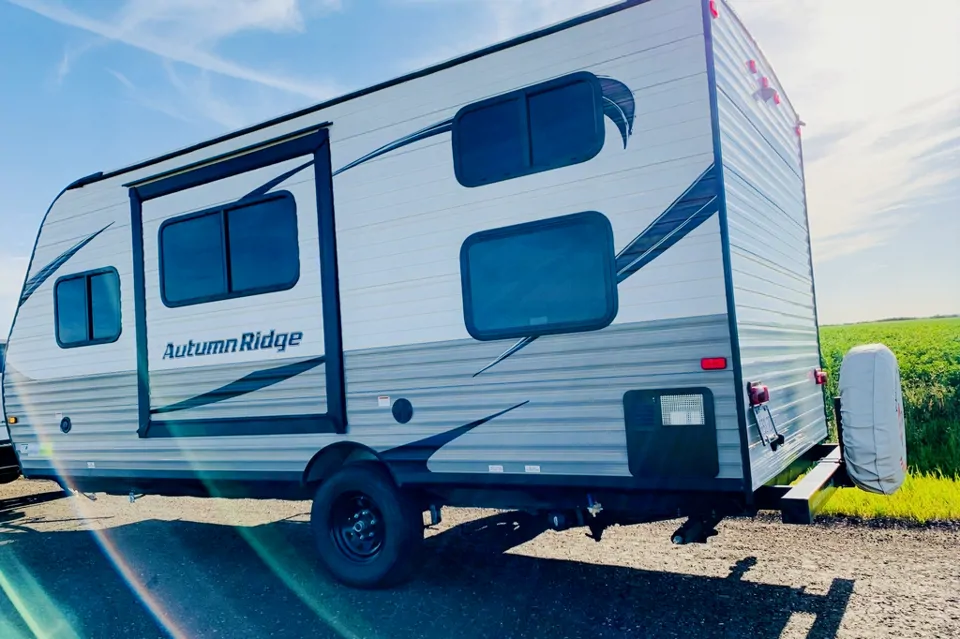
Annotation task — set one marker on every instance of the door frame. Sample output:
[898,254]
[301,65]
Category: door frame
[314,141]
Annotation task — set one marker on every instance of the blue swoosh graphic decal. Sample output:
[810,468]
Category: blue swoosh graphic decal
[44,274]
[422,134]
[246,384]
[618,105]
[263,189]
[413,457]
[694,206]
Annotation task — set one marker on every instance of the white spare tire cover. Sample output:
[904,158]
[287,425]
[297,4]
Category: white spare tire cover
[871,407]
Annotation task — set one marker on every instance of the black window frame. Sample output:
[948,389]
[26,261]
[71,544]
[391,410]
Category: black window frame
[87,276]
[573,219]
[223,212]
[523,95]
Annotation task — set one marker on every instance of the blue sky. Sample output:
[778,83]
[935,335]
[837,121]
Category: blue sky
[93,85]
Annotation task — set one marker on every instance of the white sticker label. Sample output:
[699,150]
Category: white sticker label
[24,449]
[383,401]
[91,465]
[684,418]
[531,469]
[495,468]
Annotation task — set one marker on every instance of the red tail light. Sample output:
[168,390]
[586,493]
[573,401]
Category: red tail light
[713,363]
[820,377]
[759,394]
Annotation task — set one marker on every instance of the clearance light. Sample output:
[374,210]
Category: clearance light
[11,420]
[765,82]
[713,363]
[820,376]
[752,65]
[714,11]
[776,97]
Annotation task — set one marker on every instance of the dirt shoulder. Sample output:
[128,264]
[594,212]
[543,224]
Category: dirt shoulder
[246,568]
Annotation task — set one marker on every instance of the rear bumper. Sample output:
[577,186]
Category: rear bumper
[800,503]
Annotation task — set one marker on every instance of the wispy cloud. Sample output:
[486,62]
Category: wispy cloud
[72,53]
[186,31]
[198,90]
[880,95]
[505,19]
[143,98]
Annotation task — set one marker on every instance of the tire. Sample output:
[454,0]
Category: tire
[382,547]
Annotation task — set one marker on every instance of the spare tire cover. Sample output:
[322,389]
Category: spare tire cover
[871,407]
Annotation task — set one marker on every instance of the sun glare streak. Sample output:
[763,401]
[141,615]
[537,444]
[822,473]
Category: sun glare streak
[272,557]
[28,597]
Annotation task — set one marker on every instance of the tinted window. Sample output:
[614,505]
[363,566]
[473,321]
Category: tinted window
[492,142]
[263,245]
[72,310]
[551,276]
[192,253]
[104,305]
[562,124]
[88,308]
[230,252]
[543,127]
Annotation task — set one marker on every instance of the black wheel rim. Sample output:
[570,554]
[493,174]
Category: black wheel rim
[356,526]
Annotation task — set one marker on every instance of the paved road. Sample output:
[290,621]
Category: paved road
[242,568]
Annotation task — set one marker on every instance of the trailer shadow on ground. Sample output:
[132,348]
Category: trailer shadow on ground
[161,578]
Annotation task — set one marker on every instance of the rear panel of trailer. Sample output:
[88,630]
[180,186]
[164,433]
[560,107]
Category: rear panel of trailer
[769,245]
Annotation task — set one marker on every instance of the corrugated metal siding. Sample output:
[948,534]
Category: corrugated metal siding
[769,248]
[573,423]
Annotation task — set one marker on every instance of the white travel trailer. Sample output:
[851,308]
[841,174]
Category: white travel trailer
[569,273]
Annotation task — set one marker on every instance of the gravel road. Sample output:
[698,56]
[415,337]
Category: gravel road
[243,568]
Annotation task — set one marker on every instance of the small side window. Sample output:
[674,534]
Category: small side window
[550,276]
[243,249]
[539,128]
[87,308]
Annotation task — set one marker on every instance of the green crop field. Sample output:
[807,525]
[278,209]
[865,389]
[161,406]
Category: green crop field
[928,352]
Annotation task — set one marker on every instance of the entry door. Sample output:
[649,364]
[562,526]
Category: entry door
[242,333]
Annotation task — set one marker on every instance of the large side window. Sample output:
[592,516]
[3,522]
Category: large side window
[543,127]
[245,249]
[549,276]
[87,308]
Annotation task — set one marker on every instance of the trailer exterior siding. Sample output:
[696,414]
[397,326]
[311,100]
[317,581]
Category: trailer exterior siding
[401,220]
[769,246]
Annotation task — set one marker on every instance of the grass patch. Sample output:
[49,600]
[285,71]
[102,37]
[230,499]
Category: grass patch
[928,352]
[923,498]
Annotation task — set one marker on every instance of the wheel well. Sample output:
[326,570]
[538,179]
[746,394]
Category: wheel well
[334,456]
